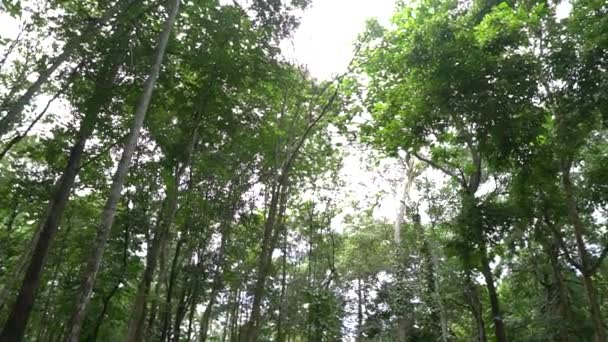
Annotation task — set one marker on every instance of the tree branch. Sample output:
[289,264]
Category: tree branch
[459,179]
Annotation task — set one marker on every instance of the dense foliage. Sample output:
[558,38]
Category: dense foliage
[166,174]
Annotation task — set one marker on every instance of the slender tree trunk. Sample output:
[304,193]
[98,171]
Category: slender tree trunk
[107,300]
[563,299]
[192,309]
[104,310]
[499,326]
[147,330]
[15,325]
[279,197]
[109,211]
[476,226]
[445,335]
[432,284]
[180,312]
[138,316]
[282,300]
[221,264]
[579,233]
[234,322]
[209,309]
[225,330]
[472,295]
[137,327]
[166,311]
[196,289]
[50,293]
[359,310]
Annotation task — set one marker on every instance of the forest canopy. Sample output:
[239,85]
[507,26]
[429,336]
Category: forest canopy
[168,174]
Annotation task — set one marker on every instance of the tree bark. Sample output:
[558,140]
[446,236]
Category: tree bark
[193,303]
[138,316]
[587,273]
[445,335]
[359,310]
[499,326]
[279,197]
[136,324]
[180,312]
[472,295]
[166,311]
[563,299]
[15,325]
[109,211]
[147,330]
[107,300]
[283,301]
[216,286]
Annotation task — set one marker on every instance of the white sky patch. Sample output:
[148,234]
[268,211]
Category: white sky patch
[324,43]
[563,10]
[324,40]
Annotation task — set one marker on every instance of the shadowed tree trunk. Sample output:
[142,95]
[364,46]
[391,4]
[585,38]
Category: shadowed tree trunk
[180,312]
[226,229]
[283,300]
[14,327]
[359,309]
[162,229]
[499,325]
[166,310]
[472,295]
[107,300]
[275,212]
[585,262]
[109,211]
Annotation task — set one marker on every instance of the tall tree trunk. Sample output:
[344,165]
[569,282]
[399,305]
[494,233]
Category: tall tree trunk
[551,240]
[279,197]
[180,312]
[138,311]
[193,303]
[472,296]
[107,300]
[137,315]
[563,299]
[209,309]
[405,200]
[282,299]
[148,331]
[216,286]
[14,327]
[166,311]
[587,273]
[109,211]
[46,318]
[275,212]
[359,310]
[499,327]
[445,334]
[234,321]
[432,284]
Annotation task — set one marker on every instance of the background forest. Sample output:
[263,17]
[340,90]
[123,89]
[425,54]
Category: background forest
[167,174]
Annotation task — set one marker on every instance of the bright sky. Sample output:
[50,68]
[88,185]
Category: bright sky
[324,44]
[324,40]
